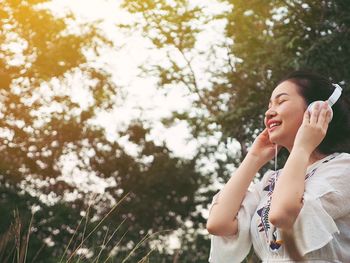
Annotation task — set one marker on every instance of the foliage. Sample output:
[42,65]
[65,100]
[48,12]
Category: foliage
[44,60]
[262,41]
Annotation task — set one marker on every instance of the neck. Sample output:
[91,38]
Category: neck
[315,156]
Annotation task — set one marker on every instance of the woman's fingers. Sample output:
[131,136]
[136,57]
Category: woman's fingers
[324,116]
[315,113]
[306,119]
[265,132]
[320,114]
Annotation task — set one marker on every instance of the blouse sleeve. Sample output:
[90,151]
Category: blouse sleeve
[326,199]
[235,248]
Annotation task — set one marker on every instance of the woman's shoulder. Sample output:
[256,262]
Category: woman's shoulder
[331,162]
[340,161]
[343,156]
[332,172]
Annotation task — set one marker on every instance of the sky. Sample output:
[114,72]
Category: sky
[141,98]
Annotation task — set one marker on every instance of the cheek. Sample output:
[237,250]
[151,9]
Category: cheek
[296,118]
[293,116]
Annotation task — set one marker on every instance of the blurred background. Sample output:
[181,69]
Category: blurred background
[120,119]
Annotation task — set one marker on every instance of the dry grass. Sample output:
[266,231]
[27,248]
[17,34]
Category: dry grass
[18,240]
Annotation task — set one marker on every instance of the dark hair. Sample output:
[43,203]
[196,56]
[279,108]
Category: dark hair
[312,87]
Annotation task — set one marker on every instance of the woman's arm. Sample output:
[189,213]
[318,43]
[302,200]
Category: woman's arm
[222,220]
[287,197]
[222,216]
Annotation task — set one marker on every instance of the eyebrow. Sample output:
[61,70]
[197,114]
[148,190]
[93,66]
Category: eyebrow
[279,95]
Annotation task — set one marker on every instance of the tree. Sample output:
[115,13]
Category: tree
[42,59]
[39,56]
[262,41]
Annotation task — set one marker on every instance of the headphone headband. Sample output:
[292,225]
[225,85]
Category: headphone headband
[335,95]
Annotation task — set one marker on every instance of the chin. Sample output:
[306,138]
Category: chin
[279,142]
[276,140]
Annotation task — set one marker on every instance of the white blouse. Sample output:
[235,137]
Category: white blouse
[321,230]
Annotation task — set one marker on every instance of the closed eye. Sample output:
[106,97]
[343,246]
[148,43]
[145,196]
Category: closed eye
[281,101]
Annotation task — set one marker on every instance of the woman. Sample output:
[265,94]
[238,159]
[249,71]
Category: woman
[309,196]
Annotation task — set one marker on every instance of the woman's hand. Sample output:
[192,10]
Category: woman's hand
[314,128]
[263,148]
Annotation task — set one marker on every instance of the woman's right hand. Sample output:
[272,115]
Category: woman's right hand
[263,148]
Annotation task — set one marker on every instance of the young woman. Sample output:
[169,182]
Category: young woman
[310,195]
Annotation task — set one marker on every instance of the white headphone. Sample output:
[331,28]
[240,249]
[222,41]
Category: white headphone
[331,100]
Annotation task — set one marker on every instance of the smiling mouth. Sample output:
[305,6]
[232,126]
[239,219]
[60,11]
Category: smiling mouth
[274,125]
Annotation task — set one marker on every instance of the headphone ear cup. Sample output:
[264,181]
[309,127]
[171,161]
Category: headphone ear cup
[312,105]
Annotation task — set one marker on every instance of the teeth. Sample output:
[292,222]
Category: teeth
[274,124]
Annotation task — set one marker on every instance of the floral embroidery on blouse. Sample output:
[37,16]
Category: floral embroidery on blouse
[264,225]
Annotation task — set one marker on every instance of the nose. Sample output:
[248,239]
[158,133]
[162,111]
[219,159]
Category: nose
[270,113]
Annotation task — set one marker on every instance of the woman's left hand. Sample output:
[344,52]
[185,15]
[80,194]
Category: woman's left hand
[314,127]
